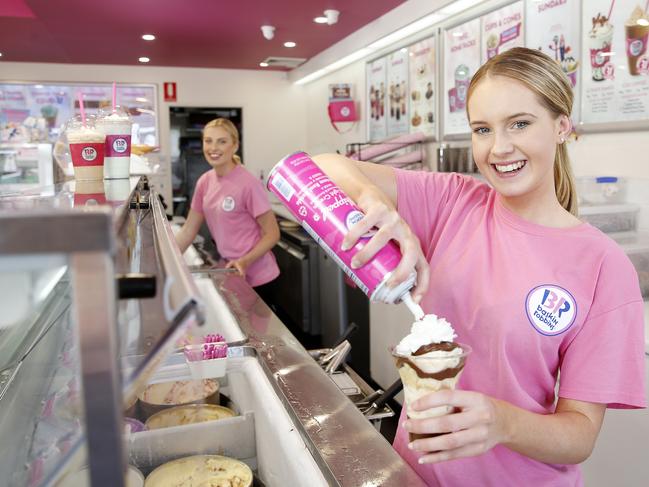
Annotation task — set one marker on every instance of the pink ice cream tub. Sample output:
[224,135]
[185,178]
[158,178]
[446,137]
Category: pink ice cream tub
[327,214]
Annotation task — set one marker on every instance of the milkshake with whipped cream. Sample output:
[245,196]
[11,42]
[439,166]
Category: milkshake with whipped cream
[429,360]
[86,149]
[116,126]
[600,40]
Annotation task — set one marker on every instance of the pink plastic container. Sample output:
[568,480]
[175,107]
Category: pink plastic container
[326,213]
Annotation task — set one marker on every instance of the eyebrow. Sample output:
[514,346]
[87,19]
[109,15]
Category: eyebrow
[515,115]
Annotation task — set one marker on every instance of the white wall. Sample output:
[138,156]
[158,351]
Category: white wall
[274,112]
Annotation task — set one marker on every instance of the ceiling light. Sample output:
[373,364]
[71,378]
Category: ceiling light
[320,20]
[263,65]
[407,31]
[144,59]
[0,54]
[290,44]
[39,87]
[148,37]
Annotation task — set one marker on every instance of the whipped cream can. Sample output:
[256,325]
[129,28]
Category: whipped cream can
[327,214]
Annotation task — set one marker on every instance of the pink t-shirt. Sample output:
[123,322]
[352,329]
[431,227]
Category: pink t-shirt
[230,205]
[529,300]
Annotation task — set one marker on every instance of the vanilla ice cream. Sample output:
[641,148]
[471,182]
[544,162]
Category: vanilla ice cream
[201,470]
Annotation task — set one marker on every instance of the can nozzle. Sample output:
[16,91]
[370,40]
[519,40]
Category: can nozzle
[414,308]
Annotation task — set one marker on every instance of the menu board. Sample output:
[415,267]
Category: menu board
[616,75]
[422,87]
[551,28]
[31,112]
[461,61]
[398,93]
[376,83]
[502,29]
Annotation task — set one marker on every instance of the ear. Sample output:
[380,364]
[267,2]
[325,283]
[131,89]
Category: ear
[564,126]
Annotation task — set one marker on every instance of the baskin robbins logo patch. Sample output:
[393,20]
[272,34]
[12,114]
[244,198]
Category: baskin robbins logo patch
[551,309]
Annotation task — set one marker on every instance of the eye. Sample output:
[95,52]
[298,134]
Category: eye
[520,124]
[481,130]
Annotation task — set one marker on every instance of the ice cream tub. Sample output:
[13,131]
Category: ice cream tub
[81,478]
[164,395]
[327,214]
[201,470]
[190,414]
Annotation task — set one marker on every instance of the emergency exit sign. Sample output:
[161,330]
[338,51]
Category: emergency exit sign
[170,91]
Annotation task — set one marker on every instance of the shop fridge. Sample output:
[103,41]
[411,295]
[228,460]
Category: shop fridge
[94,384]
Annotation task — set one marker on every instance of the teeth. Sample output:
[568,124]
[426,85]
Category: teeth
[510,167]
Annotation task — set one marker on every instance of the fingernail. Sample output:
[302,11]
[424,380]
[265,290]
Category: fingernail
[411,446]
[355,264]
[406,425]
[344,247]
[421,461]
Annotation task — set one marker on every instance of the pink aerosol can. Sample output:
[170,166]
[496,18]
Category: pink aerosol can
[327,214]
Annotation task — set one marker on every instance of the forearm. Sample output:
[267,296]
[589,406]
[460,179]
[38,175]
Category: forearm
[265,243]
[565,437]
[184,238]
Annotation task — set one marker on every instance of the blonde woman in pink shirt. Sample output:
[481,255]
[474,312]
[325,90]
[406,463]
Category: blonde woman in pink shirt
[532,289]
[235,206]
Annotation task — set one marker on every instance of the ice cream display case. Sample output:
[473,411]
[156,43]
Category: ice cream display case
[96,383]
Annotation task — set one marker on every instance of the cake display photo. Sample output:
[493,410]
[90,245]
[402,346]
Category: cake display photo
[429,360]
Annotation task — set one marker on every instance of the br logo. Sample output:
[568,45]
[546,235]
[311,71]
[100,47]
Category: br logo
[551,309]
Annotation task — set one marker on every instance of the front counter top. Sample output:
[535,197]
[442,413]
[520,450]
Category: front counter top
[346,447]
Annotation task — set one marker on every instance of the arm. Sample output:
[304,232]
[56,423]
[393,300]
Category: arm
[566,437]
[269,237]
[189,230]
[374,189]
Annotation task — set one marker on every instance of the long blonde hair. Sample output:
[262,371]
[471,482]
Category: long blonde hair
[230,128]
[544,76]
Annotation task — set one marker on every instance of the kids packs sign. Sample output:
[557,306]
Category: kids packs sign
[551,309]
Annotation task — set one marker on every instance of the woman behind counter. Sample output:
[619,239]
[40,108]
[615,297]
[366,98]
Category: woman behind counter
[532,289]
[235,206]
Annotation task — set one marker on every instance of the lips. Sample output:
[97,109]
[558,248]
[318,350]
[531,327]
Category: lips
[507,168]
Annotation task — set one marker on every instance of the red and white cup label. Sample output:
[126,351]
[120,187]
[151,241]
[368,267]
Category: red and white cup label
[87,154]
[118,145]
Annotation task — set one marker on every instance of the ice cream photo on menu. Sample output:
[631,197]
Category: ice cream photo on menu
[636,32]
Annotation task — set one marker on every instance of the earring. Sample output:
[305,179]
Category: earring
[562,140]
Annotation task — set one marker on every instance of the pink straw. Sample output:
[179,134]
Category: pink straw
[610,10]
[83,112]
[646,6]
[114,95]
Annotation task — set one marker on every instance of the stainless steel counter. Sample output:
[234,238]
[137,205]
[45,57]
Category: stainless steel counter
[347,448]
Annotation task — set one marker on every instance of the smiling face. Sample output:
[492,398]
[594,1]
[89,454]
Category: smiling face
[219,149]
[514,139]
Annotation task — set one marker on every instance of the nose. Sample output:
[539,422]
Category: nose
[502,144]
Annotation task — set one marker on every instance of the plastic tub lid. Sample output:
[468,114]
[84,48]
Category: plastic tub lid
[606,179]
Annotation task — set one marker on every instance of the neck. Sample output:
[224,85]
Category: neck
[225,168]
[542,208]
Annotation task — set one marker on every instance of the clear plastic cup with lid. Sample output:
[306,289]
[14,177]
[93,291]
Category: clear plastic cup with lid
[116,125]
[86,144]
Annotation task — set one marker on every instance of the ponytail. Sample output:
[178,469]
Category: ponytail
[564,181]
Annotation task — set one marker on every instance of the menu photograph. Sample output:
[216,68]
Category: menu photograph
[376,96]
[422,87]
[398,92]
[616,76]
[502,29]
[461,61]
[551,28]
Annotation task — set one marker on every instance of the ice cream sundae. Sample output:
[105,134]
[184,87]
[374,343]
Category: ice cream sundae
[600,39]
[428,360]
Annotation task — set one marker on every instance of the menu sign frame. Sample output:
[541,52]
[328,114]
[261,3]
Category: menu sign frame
[461,60]
[424,87]
[615,71]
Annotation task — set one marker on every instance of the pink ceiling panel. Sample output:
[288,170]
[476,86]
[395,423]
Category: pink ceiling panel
[198,33]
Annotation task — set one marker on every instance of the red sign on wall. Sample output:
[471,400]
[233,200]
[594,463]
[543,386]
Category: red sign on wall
[170,91]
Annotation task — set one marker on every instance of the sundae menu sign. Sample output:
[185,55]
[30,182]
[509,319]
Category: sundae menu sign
[615,71]
[461,61]
[551,28]
[398,93]
[376,96]
[423,91]
[502,30]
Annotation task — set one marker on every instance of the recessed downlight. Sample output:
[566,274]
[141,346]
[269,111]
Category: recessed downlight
[148,37]
[263,65]
[320,20]
[290,44]
[144,59]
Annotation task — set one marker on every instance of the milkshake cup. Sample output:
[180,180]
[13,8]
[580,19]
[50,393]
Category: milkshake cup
[116,126]
[428,361]
[636,31]
[600,40]
[462,80]
[86,149]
